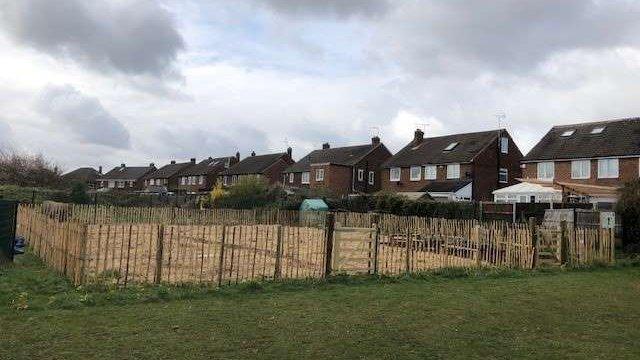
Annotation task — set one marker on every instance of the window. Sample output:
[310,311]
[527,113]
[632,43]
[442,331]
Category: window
[503,176]
[546,170]
[225,180]
[608,168]
[597,130]
[112,184]
[453,171]
[360,174]
[394,174]
[580,169]
[372,177]
[234,179]
[504,145]
[430,172]
[319,174]
[120,184]
[183,181]
[291,177]
[567,133]
[416,173]
[451,146]
[305,178]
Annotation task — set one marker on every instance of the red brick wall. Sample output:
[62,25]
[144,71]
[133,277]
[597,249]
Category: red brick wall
[406,184]
[337,179]
[273,174]
[627,167]
[371,162]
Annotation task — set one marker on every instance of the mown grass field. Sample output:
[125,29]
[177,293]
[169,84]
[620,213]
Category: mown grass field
[581,314]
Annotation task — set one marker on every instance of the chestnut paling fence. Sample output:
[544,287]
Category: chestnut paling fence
[156,245]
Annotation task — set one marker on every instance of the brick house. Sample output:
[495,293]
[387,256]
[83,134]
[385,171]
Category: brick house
[268,167]
[166,178]
[454,167]
[341,171]
[203,176]
[84,175]
[126,178]
[587,161]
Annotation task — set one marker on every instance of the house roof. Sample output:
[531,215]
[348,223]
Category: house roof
[207,166]
[618,138]
[255,164]
[432,150]
[346,155]
[168,170]
[445,186]
[83,174]
[127,173]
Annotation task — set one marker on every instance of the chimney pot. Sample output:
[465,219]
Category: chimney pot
[123,165]
[152,165]
[99,169]
[289,151]
[173,162]
[193,160]
[325,146]
[375,140]
[418,136]
[253,153]
[238,155]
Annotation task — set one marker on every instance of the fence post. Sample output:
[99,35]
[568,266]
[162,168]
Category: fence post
[221,257]
[564,242]
[159,251]
[612,240]
[477,257]
[376,242]
[535,242]
[83,254]
[330,227]
[277,272]
[408,250]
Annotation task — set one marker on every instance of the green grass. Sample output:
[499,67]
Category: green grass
[450,314]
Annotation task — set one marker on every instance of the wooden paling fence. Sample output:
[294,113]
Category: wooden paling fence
[138,245]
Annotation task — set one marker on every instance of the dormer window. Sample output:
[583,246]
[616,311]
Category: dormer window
[597,130]
[567,133]
[451,146]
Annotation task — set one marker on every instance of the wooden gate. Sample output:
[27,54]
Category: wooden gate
[354,250]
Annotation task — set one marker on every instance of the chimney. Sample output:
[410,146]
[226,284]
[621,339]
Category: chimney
[325,146]
[418,136]
[289,151]
[152,165]
[375,140]
[173,162]
[123,165]
[238,155]
[253,153]
[100,170]
[193,160]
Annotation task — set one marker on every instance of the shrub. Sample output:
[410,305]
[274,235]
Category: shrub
[28,171]
[628,207]
[79,194]
[250,192]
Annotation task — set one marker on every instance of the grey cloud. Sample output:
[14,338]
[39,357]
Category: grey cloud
[336,8]
[184,142]
[433,37]
[83,116]
[133,37]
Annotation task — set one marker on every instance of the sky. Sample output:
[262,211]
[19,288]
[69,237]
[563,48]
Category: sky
[105,82]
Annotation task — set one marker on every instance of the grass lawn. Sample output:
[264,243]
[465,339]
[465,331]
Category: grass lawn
[582,314]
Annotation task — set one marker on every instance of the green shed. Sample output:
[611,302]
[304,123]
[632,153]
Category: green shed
[314,205]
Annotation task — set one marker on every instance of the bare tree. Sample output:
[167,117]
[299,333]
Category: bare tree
[28,170]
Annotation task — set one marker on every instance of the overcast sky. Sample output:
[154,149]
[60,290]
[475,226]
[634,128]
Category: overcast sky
[100,82]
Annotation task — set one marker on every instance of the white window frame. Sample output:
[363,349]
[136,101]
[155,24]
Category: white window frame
[453,171]
[201,180]
[305,177]
[577,167]
[605,169]
[372,177]
[360,174]
[428,175]
[505,172]
[291,178]
[504,145]
[395,174]
[544,175]
[320,174]
[415,173]
[183,180]
[225,180]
